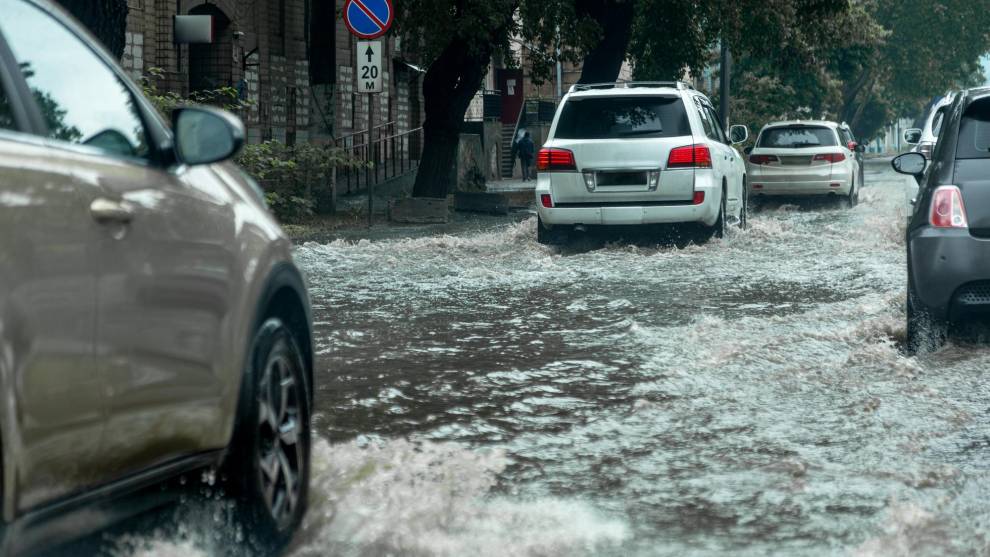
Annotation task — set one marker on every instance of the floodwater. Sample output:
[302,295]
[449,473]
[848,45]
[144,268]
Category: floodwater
[480,394]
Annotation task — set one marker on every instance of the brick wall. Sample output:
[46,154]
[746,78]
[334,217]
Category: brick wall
[266,58]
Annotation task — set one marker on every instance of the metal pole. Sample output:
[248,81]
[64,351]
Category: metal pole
[371,184]
[723,97]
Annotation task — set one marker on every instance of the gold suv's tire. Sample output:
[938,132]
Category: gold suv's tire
[268,466]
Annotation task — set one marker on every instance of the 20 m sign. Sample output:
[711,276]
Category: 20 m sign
[369,65]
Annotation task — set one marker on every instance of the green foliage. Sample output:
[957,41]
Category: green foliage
[860,61]
[167,101]
[292,176]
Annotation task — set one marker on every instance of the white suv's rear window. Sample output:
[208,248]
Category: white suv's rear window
[796,137]
[621,117]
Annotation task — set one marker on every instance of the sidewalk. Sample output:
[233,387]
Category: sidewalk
[519,193]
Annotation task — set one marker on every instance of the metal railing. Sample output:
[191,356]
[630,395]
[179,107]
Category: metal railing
[388,156]
[486,105]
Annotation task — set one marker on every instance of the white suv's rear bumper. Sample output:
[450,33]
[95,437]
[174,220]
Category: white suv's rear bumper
[631,213]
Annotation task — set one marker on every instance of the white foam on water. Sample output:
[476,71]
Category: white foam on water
[908,531]
[399,497]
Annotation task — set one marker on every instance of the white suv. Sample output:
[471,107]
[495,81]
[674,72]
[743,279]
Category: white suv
[639,153]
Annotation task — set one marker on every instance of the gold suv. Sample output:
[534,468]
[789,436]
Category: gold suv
[152,322]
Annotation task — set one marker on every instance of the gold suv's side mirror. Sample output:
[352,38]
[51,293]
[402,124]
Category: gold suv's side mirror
[204,135]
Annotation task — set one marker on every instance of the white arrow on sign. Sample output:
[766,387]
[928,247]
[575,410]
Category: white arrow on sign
[369,65]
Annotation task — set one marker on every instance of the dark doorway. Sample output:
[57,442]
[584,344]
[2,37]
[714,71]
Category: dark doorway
[211,65]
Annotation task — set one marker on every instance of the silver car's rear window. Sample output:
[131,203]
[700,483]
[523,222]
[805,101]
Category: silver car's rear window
[622,117]
[796,137]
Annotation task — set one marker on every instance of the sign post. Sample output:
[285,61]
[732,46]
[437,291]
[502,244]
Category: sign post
[366,20]
[369,65]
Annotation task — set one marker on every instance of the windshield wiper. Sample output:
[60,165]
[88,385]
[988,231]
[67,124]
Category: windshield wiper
[640,132]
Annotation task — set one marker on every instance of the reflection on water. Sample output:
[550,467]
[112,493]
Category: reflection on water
[485,395]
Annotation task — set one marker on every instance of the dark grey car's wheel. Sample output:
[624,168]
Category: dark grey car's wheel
[925,331]
[269,460]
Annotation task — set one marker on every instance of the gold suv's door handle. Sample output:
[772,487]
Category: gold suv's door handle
[108,211]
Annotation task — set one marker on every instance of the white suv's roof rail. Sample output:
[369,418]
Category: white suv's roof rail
[679,85]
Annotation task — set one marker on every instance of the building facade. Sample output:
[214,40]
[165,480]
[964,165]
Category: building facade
[290,61]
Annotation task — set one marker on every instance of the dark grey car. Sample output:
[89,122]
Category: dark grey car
[948,237]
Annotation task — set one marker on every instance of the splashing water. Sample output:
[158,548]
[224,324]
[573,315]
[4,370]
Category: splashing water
[485,395]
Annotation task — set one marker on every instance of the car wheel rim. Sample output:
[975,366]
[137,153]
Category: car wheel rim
[280,450]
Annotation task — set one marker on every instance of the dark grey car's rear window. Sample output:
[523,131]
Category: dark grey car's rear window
[615,117]
[974,132]
[796,137]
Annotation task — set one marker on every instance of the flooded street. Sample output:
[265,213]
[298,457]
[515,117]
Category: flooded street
[479,394]
[489,396]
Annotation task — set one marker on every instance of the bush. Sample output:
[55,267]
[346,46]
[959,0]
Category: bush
[295,178]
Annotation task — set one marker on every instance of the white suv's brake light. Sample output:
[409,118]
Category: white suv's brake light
[690,156]
[550,159]
[947,209]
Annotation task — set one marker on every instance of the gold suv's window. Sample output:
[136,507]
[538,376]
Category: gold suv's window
[80,97]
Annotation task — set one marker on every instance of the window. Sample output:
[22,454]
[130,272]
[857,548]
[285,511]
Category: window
[796,137]
[974,132]
[845,136]
[937,122]
[80,97]
[615,117]
[706,121]
[717,124]
[6,112]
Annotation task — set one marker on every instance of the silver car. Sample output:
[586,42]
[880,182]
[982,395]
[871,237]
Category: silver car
[152,322]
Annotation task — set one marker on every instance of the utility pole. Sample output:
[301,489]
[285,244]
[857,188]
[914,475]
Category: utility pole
[723,96]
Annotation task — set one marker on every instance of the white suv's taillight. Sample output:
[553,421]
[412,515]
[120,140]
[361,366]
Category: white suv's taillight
[947,208]
[551,159]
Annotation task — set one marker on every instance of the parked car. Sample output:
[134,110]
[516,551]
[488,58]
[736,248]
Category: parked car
[924,139]
[805,157]
[639,153]
[152,322]
[948,237]
[849,140]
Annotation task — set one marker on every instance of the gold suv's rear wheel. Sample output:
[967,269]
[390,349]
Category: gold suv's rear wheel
[268,466]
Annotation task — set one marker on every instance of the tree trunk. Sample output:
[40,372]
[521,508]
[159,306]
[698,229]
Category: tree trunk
[448,87]
[615,17]
[107,19]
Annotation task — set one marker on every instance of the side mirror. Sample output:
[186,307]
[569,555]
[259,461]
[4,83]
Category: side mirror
[748,150]
[912,136]
[738,133]
[204,135]
[912,164]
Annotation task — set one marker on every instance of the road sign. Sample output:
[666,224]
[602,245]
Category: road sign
[368,19]
[369,65]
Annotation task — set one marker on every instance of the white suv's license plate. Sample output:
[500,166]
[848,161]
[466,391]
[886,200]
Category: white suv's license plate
[619,178]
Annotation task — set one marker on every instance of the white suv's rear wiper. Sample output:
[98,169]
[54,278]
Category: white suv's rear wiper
[639,132]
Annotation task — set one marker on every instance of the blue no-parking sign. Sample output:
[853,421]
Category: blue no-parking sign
[368,19]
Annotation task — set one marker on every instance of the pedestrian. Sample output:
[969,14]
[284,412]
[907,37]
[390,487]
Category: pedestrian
[526,150]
